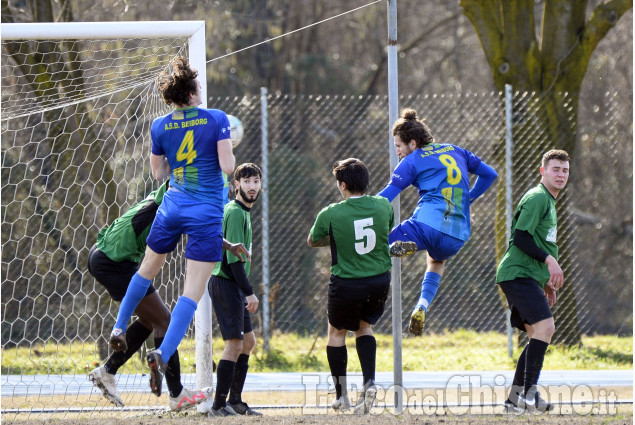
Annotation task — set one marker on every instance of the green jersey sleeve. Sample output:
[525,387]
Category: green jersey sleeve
[234,225]
[531,213]
[320,228]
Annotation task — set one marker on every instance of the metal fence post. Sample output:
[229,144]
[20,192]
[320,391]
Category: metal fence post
[508,194]
[393,106]
[265,220]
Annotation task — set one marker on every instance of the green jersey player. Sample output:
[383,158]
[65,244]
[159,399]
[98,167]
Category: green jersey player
[529,276]
[357,231]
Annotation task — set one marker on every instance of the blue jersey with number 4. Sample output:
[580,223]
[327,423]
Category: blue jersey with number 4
[188,138]
[441,173]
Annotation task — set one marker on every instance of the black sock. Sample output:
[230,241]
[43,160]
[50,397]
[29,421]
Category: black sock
[536,350]
[240,374]
[135,336]
[172,372]
[224,379]
[338,358]
[518,383]
[367,353]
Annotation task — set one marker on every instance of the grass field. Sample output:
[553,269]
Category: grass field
[459,350]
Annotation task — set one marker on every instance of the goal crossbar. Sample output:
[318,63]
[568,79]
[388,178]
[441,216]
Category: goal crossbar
[100,30]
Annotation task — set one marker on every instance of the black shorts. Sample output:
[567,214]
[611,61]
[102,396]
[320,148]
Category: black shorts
[352,300]
[229,304]
[527,302]
[113,275]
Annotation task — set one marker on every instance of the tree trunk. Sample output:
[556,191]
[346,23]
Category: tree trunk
[553,67]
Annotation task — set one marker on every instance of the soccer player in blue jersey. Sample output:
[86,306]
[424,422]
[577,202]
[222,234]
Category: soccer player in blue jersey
[113,261]
[440,224]
[192,146]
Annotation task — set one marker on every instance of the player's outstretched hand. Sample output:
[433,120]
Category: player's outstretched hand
[252,303]
[239,251]
[556,279]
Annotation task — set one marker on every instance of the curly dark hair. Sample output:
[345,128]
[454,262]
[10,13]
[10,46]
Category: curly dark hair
[246,170]
[354,173]
[175,86]
[408,128]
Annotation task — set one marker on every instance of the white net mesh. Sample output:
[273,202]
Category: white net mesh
[76,119]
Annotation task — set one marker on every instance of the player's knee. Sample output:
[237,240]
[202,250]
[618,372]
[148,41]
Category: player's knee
[364,329]
[233,348]
[544,330]
[550,328]
[249,342]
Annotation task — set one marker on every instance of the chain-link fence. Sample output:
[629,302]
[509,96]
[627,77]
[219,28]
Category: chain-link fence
[49,299]
[307,134]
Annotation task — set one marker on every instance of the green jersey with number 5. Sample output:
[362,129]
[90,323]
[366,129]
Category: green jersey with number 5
[358,228]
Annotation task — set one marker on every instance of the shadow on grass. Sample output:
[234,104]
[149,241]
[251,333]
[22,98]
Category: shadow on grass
[610,355]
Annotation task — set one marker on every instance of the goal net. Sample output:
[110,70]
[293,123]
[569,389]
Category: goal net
[78,100]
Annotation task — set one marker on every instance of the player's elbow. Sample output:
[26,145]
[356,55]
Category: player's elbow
[227,164]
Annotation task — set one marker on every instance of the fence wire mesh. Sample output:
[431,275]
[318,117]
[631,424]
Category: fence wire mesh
[57,192]
[308,133]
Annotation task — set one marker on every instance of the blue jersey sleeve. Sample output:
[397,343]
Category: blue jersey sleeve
[223,127]
[486,176]
[405,173]
[471,160]
[156,147]
[390,192]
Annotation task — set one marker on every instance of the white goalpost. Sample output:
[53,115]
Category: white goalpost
[77,103]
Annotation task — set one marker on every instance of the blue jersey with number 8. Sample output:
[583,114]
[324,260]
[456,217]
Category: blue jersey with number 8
[188,138]
[441,173]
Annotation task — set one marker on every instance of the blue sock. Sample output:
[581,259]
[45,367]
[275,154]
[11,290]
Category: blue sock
[182,316]
[134,294]
[429,287]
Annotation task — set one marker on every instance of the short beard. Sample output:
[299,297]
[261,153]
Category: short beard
[246,198]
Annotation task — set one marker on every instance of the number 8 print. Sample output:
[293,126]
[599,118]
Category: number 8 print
[454,172]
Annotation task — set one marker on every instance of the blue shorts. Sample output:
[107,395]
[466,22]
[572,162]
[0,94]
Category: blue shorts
[180,214]
[439,245]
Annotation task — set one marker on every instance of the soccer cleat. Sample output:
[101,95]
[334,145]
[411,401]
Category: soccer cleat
[157,369]
[403,248]
[118,340]
[106,383]
[189,398]
[221,411]
[535,405]
[367,398]
[341,404]
[242,409]
[511,404]
[416,321]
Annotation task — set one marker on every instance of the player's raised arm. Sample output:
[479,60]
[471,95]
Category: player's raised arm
[486,176]
[226,157]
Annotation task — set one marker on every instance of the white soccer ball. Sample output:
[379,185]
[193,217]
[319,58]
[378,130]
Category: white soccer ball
[236,130]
